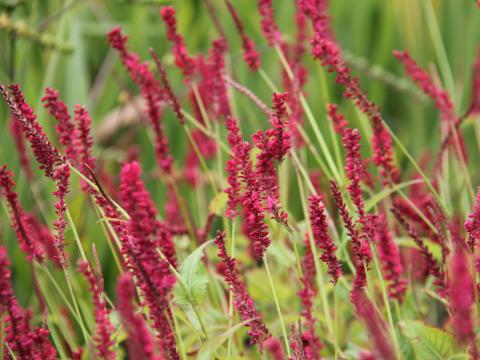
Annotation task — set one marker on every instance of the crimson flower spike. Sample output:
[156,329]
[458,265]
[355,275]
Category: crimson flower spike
[307,294]
[250,55]
[103,328]
[141,344]
[338,120]
[180,53]
[472,224]
[233,167]
[168,89]
[274,347]
[325,49]
[46,154]
[19,219]
[241,299]
[24,341]
[65,127]
[84,141]
[432,265]
[361,247]
[322,238]
[268,24]
[462,296]
[139,205]
[441,98]
[152,92]
[390,259]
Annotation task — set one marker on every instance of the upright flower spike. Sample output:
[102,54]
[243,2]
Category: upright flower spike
[19,219]
[152,92]
[389,255]
[268,24]
[140,341]
[103,327]
[433,267]
[23,340]
[251,56]
[233,167]
[61,177]
[376,326]
[274,347]
[45,153]
[84,141]
[307,294]
[65,127]
[327,51]
[242,302]
[361,248]
[472,224]
[179,50]
[461,296]
[338,120]
[139,204]
[216,62]
[354,168]
[322,238]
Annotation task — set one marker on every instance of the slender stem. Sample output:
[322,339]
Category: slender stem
[75,236]
[230,297]
[277,304]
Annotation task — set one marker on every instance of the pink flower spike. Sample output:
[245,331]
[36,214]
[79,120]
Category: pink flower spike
[274,347]
[61,177]
[46,154]
[84,141]
[242,301]
[65,127]
[180,53]
[103,327]
[338,120]
[19,219]
[391,262]
[322,238]
[251,56]
[472,224]
[141,344]
[269,26]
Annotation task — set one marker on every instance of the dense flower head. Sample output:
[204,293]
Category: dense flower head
[375,324]
[65,127]
[84,141]
[251,56]
[328,52]
[140,340]
[389,255]
[216,62]
[139,204]
[152,92]
[307,294]
[462,298]
[103,327]
[354,168]
[61,177]
[268,24]
[233,166]
[180,53]
[23,340]
[361,247]
[322,238]
[274,347]
[279,134]
[19,219]
[422,78]
[46,154]
[433,267]
[472,224]
[242,301]
[338,120]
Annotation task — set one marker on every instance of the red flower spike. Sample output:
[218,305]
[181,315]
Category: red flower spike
[242,301]
[251,56]
[140,341]
[103,327]
[322,238]
[65,127]
[269,26]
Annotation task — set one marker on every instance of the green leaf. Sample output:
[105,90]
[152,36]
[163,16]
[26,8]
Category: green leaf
[192,285]
[429,342]
[211,346]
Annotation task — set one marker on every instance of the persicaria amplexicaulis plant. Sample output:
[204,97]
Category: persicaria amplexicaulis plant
[229,189]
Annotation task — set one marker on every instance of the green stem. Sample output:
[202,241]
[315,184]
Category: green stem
[277,304]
